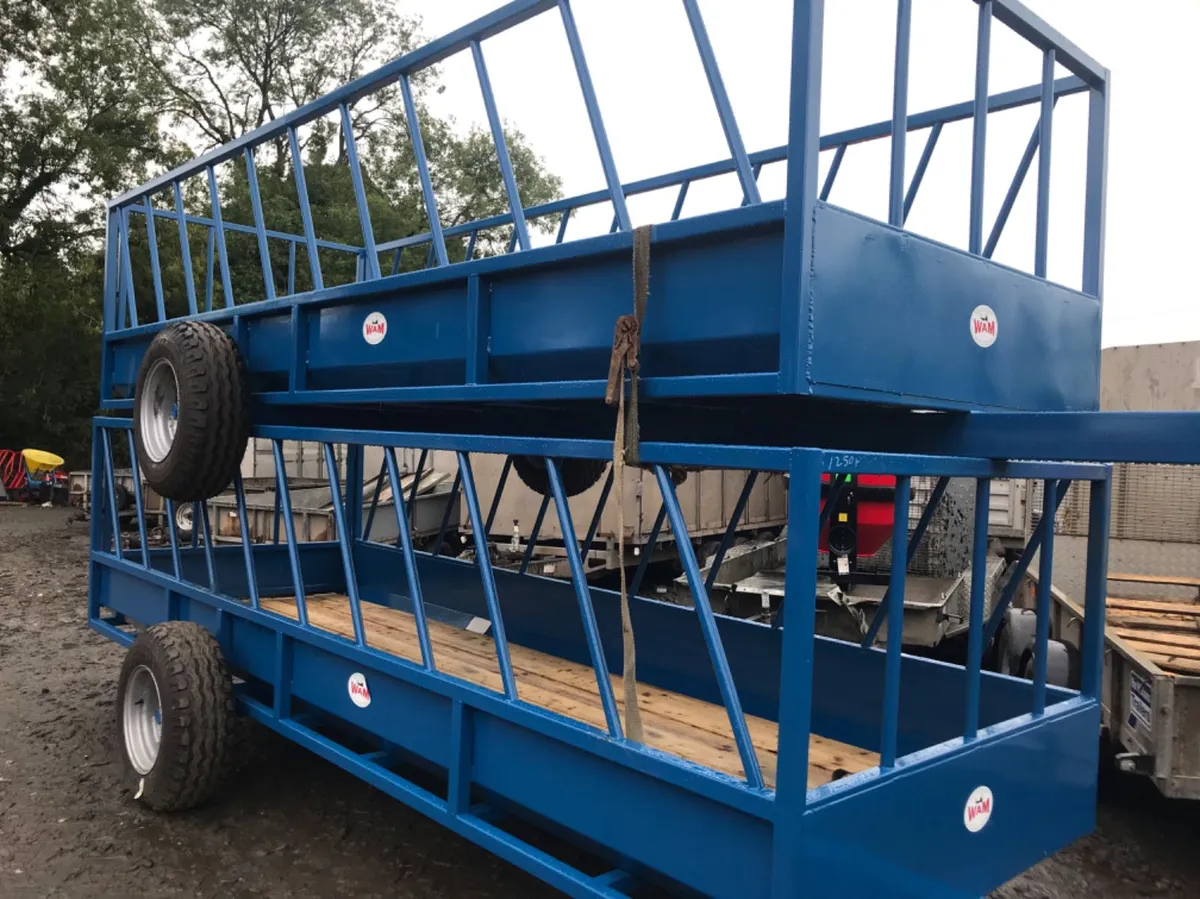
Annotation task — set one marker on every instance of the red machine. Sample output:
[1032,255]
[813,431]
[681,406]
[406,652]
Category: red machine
[33,476]
[860,521]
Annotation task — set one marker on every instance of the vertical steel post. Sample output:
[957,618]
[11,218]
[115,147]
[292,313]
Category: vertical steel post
[1045,582]
[210,269]
[1043,196]
[110,483]
[895,624]
[979,555]
[206,535]
[344,538]
[174,540]
[1096,191]
[804,116]
[796,672]
[1095,588]
[900,112]
[983,50]
[127,270]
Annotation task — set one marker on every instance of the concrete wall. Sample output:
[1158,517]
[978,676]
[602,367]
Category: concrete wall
[1152,376]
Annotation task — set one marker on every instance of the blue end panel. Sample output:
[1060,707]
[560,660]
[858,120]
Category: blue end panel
[542,614]
[891,322]
[910,825]
[636,815]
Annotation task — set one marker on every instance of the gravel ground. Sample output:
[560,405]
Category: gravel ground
[297,826]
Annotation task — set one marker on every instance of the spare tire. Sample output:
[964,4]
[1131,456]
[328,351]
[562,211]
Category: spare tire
[191,411]
[577,474]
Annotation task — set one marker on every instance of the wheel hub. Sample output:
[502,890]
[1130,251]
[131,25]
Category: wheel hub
[159,410]
[141,719]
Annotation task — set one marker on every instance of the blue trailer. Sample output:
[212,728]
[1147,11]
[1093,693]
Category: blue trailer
[737,758]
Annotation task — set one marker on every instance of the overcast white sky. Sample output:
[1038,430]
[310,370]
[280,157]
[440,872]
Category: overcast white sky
[660,117]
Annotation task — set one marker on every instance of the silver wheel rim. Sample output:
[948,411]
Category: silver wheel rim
[183,518]
[158,415]
[141,718]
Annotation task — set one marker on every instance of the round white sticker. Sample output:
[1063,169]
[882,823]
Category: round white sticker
[984,326]
[374,328]
[359,694]
[978,810]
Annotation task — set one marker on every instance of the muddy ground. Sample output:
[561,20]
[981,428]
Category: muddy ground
[290,824]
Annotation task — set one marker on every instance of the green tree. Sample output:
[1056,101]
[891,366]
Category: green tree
[99,94]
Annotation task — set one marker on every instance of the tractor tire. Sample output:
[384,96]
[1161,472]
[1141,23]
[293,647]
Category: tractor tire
[191,415]
[577,474]
[175,716]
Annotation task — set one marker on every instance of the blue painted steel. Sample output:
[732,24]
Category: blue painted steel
[586,613]
[343,532]
[1014,189]
[139,506]
[209,271]
[615,193]
[1022,565]
[437,547]
[410,565]
[837,484]
[1096,191]
[1042,234]
[431,210]
[895,631]
[595,522]
[914,543]
[310,239]
[491,516]
[247,552]
[1095,589]
[155,270]
[922,164]
[724,109]
[219,231]
[264,252]
[110,485]
[1045,582]
[291,269]
[708,625]
[676,212]
[531,544]
[797,675]
[127,272]
[484,562]
[900,111]
[648,550]
[189,281]
[520,231]
[366,534]
[207,541]
[416,484]
[371,257]
[979,559]
[831,175]
[735,521]
[173,536]
[983,52]
[285,500]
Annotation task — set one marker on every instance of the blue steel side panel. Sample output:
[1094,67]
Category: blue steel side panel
[891,322]
[910,826]
[626,809]
[541,613]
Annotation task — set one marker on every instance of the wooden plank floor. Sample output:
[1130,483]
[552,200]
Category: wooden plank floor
[690,728]
[1167,631]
